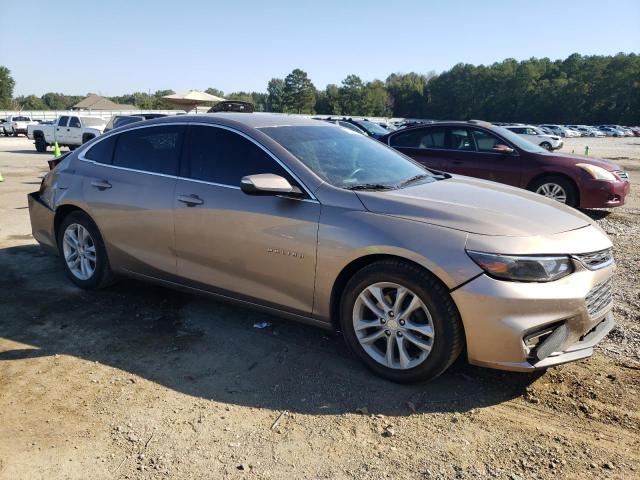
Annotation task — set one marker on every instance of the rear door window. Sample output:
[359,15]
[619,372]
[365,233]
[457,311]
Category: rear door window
[63,121]
[221,156]
[102,152]
[152,149]
[420,138]
[74,122]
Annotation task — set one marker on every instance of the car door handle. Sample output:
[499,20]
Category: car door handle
[190,200]
[101,184]
[68,130]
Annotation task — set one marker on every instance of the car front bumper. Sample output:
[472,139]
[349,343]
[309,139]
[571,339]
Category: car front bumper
[501,318]
[42,222]
[603,194]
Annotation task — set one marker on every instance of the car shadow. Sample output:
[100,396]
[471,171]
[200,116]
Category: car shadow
[34,152]
[212,350]
[596,214]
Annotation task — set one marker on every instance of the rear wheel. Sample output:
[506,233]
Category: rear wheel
[41,145]
[557,188]
[83,253]
[400,321]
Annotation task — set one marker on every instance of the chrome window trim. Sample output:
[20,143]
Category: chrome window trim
[81,156]
[514,153]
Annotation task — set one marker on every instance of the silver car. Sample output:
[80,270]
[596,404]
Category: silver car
[310,221]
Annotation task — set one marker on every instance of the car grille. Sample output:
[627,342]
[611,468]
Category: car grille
[596,260]
[621,174]
[599,297]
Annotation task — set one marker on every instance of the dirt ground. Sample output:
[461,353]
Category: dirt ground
[138,381]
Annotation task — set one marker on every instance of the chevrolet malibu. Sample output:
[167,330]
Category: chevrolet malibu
[312,222]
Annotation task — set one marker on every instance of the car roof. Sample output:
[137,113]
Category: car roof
[452,123]
[251,120]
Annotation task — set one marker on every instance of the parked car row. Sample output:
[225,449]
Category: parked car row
[592,131]
[15,125]
[320,224]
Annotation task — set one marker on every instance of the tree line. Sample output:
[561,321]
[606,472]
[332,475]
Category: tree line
[578,89]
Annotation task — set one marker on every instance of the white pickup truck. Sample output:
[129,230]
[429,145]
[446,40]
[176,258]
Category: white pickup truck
[68,130]
[17,124]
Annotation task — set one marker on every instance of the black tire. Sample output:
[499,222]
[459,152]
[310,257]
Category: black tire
[547,146]
[567,185]
[86,138]
[72,147]
[41,145]
[102,275]
[448,339]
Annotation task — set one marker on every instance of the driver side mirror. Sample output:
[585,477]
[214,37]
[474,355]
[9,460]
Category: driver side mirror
[502,149]
[268,184]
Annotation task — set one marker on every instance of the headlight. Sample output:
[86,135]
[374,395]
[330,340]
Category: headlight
[598,173]
[525,268]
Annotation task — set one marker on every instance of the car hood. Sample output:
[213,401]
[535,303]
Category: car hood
[599,162]
[476,206]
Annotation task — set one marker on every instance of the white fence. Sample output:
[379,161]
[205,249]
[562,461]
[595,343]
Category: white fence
[106,114]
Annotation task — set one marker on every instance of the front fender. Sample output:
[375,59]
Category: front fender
[345,236]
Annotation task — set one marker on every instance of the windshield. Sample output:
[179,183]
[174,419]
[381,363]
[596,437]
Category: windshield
[520,142]
[346,159]
[372,127]
[21,119]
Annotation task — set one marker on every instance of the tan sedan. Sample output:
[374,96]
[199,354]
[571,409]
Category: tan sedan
[310,221]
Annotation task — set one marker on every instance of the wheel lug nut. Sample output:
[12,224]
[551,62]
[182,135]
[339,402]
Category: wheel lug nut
[401,322]
[383,321]
[399,334]
[387,332]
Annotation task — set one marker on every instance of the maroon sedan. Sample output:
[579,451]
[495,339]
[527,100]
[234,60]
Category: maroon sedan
[482,150]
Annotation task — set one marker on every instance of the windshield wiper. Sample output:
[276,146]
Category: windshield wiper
[369,186]
[413,179]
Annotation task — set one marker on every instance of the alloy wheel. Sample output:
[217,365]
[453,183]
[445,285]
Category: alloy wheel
[393,326]
[79,251]
[553,191]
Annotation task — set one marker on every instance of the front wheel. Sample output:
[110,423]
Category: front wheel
[557,188]
[400,321]
[83,253]
[547,146]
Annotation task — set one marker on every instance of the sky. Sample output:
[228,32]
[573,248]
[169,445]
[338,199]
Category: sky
[114,47]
